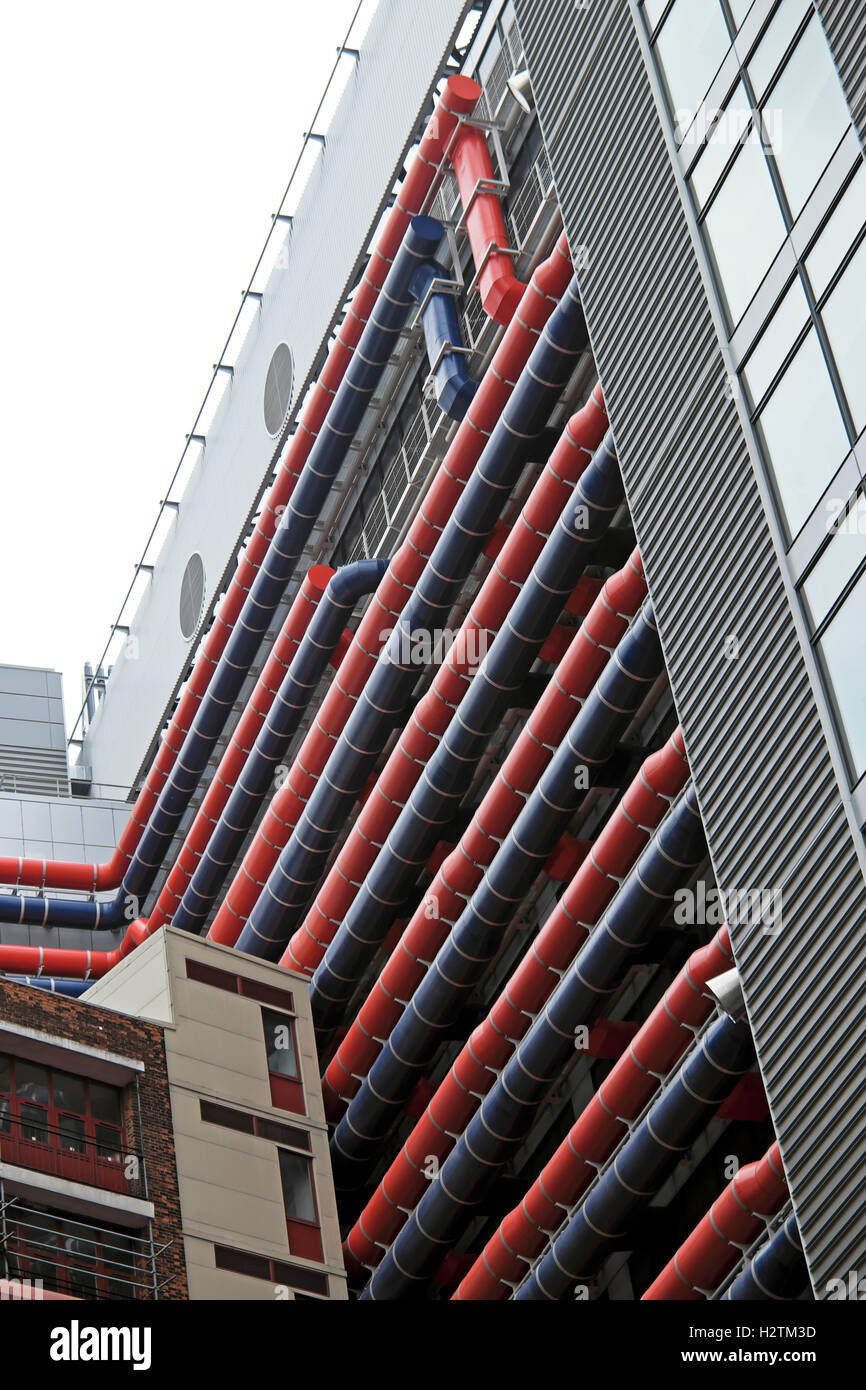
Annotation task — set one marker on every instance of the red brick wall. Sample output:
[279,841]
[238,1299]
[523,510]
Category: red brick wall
[152,1137]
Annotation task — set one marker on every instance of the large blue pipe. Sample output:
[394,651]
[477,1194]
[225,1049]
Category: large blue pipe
[704,1079]
[387,692]
[447,776]
[378,341]
[778,1271]
[508,1110]
[299,684]
[453,384]
[72,988]
[477,934]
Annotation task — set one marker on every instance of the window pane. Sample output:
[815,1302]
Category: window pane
[839,561]
[691,45]
[729,131]
[297,1177]
[280,1042]
[842,646]
[104,1103]
[780,32]
[34,1123]
[31,1082]
[845,222]
[844,318]
[803,432]
[5,1122]
[775,341]
[68,1093]
[109,1144]
[806,115]
[71,1133]
[744,245]
[5,1074]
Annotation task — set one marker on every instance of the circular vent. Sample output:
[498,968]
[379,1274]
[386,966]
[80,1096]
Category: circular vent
[191,596]
[278,389]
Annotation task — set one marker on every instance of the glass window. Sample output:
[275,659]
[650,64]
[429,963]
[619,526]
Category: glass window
[297,1178]
[727,135]
[69,1093]
[778,34]
[32,1082]
[805,115]
[5,1074]
[775,341]
[744,227]
[843,316]
[280,1042]
[691,45]
[840,560]
[845,221]
[72,1133]
[803,431]
[104,1103]
[842,649]
[34,1122]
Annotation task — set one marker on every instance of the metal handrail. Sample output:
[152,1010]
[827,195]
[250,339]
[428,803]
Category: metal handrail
[220,365]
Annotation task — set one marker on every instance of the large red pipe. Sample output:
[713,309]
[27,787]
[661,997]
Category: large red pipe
[734,1221]
[458,99]
[541,297]
[625,835]
[432,715]
[655,1048]
[499,289]
[462,871]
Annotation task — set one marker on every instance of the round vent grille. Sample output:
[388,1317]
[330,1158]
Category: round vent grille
[278,389]
[191,596]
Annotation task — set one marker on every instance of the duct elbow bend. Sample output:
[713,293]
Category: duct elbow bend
[446,352]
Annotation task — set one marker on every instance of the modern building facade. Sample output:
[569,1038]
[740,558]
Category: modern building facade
[510,694]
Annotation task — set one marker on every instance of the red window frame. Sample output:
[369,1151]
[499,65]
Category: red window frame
[287,1093]
[305,1234]
[58,1138]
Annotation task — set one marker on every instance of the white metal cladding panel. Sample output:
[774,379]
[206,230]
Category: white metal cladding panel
[845,24]
[402,56]
[768,793]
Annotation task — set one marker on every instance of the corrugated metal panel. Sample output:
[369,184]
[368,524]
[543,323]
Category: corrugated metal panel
[845,25]
[770,800]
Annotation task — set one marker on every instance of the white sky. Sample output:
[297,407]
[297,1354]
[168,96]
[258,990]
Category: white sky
[145,147]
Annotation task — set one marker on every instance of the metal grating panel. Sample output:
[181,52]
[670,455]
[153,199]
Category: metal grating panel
[845,25]
[771,804]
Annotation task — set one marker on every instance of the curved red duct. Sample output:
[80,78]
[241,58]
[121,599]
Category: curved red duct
[462,871]
[458,1096]
[539,300]
[734,1221]
[432,715]
[458,99]
[499,289]
[655,1048]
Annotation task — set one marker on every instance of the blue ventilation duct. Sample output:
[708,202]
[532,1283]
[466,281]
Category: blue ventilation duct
[476,936]
[389,688]
[326,627]
[445,351]
[378,341]
[686,1105]
[72,988]
[778,1271]
[448,774]
[508,1110]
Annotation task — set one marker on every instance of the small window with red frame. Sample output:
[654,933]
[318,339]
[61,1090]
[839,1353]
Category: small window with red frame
[287,1091]
[299,1198]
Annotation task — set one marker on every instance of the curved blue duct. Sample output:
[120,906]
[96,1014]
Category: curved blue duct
[477,934]
[704,1079]
[388,690]
[778,1271]
[376,344]
[447,776]
[445,352]
[72,988]
[508,1110]
[298,686]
